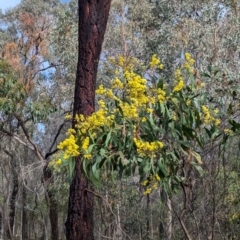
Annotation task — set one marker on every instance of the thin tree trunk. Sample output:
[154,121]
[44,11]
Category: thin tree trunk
[12,203]
[24,213]
[1,223]
[169,218]
[148,218]
[52,204]
[93,16]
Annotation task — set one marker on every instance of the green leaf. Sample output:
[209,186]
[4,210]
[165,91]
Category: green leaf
[185,144]
[208,132]
[151,120]
[108,139]
[162,107]
[205,75]
[94,175]
[203,98]
[197,157]
[90,148]
[198,167]
[234,94]
[71,166]
[146,167]
[160,83]
[124,161]
[163,167]
[209,68]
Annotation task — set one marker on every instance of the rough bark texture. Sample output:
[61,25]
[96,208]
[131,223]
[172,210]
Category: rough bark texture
[93,16]
[52,204]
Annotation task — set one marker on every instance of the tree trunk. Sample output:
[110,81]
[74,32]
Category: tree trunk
[24,213]
[12,203]
[52,204]
[93,16]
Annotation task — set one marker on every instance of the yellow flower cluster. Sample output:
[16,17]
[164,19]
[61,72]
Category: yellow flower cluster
[152,182]
[131,98]
[84,126]
[179,86]
[129,111]
[148,148]
[188,102]
[116,84]
[179,80]
[68,116]
[155,62]
[208,118]
[189,62]
[94,122]
[69,146]
[136,90]
[161,95]
[85,144]
[101,90]
[58,162]
[125,63]
[174,116]
[228,131]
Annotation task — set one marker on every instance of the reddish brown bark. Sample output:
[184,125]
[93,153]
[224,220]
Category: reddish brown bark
[93,16]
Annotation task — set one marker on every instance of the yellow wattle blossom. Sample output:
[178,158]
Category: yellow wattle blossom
[228,131]
[189,59]
[68,116]
[157,177]
[71,131]
[178,80]
[217,122]
[87,156]
[149,110]
[58,162]
[85,144]
[144,183]
[80,118]
[152,182]
[116,72]
[174,116]
[207,116]
[69,146]
[121,61]
[124,63]
[161,66]
[161,95]
[101,90]
[143,119]
[117,84]
[154,61]
[188,102]
[179,86]
[145,148]
[189,62]
[129,110]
